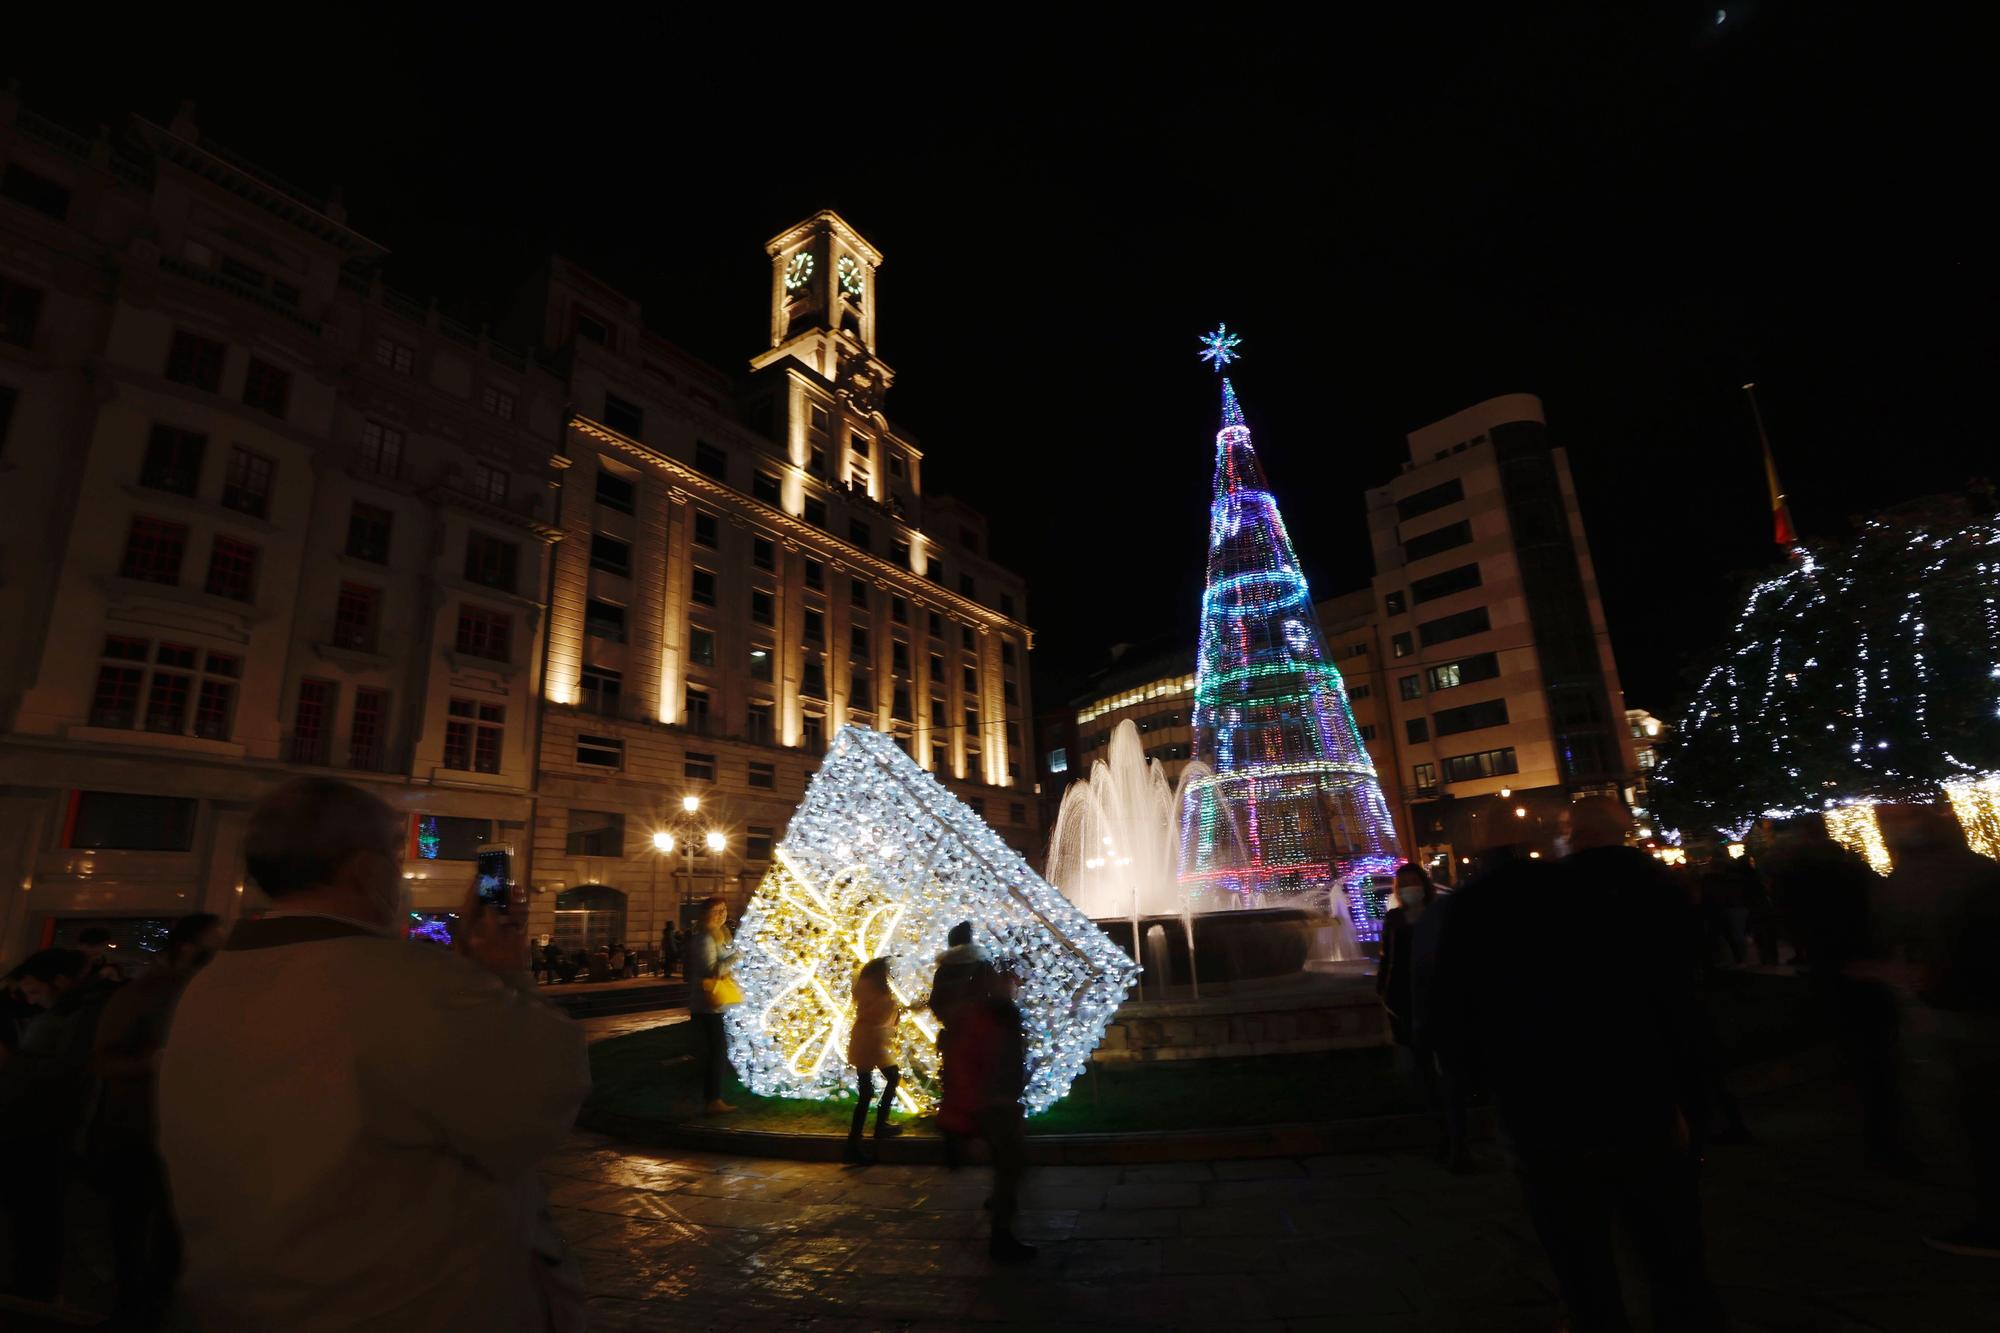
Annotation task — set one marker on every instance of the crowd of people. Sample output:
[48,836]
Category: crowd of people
[1603,1072]
[316,1124]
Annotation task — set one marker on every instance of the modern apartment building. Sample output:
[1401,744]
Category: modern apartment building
[1506,702]
[261,519]
[733,587]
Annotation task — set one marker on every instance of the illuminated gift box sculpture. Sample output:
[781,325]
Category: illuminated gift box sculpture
[881,860]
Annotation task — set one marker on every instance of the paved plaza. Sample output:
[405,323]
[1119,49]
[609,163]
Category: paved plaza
[1367,1242]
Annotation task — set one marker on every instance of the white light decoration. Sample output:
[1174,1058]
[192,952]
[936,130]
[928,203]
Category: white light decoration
[1976,802]
[881,860]
[1856,828]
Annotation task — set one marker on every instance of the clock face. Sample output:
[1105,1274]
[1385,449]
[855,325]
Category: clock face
[852,283]
[799,272]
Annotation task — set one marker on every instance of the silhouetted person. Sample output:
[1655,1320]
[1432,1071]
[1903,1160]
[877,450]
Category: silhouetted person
[871,1045]
[1571,990]
[1830,898]
[94,942]
[670,953]
[45,1087]
[982,1094]
[124,1144]
[1949,901]
[352,1122]
[953,982]
[1410,932]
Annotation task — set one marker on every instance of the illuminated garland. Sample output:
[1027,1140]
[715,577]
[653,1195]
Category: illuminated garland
[1865,673]
[1293,805]
[881,860]
[1859,830]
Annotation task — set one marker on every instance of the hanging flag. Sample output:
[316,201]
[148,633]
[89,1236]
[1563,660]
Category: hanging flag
[1782,531]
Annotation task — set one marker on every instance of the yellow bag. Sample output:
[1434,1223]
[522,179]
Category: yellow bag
[722,991]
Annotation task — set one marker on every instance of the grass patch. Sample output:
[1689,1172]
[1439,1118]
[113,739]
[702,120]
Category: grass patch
[653,1075]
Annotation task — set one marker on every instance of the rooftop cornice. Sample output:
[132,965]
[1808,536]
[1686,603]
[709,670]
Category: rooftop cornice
[835,223]
[919,590]
[258,187]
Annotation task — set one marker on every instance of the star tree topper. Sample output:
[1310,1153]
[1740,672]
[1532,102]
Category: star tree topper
[1220,347]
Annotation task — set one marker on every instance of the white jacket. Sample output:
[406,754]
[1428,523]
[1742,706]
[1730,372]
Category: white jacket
[351,1126]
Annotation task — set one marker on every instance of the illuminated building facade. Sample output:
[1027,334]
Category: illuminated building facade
[745,568]
[1503,690]
[262,518]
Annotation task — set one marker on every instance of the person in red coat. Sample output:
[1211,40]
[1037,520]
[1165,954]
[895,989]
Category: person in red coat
[982,1094]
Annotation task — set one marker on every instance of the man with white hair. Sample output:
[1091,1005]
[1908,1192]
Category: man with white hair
[351,1122]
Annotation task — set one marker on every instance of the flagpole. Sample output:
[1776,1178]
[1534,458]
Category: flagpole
[1783,532]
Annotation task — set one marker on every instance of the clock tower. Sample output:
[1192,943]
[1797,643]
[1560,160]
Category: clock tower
[823,307]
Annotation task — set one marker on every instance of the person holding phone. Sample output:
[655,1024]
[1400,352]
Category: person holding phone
[711,989]
[351,1122]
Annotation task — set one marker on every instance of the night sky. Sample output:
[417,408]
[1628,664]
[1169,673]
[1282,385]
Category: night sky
[1402,214]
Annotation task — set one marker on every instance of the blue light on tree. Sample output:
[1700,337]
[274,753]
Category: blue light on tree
[1220,347]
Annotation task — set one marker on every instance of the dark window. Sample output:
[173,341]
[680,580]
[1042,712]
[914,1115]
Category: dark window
[36,191]
[474,730]
[153,549]
[1359,691]
[600,752]
[497,401]
[368,533]
[935,623]
[1574,705]
[701,647]
[1007,604]
[965,637]
[121,822]
[616,492]
[857,687]
[1400,645]
[381,449]
[813,681]
[972,726]
[757,723]
[215,708]
[1010,692]
[937,713]
[1443,539]
[1452,721]
[764,486]
[1417,729]
[595,833]
[266,387]
[1446,628]
[763,554]
[1481,666]
[196,360]
[815,512]
[815,575]
[761,660]
[312,721]
[600,689]
[623,417]
[483,632]
[1485,764]
[1443,585]
[711,461]
[239,271]
[858,533]
[9,396]
[707,530]
[1437,497]
[899,703]
[897,467]
[764,776]
[605,620]
[610,555]
[702,588]
[1394,604]
[969,678]
[966,586]
[697,710]
[246,485]
[815,627]
[20,312]
[762,609]
[937,666]
[591,330]
[490,562]
[392,355]
[173,460]
[757,841]
[366,734]
[977,804]
[899,551]
[1367,731]
[173,683]
[940,758]
[697,765]
[1006,652]
[857,593]
[450,837]
[899,655]
[899,611]
[357,617]
[857,442]
[489,483]
[816,461]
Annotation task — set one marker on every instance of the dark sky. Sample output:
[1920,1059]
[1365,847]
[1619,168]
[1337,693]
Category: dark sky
[1403,214]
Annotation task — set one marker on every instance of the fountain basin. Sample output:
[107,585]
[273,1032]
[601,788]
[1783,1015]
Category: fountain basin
[1229,947]
[1316,1010]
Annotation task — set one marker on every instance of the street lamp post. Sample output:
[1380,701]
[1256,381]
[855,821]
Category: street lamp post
[685,832]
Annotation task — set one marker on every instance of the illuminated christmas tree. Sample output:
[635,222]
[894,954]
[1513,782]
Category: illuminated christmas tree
[1291,805]
[881,860]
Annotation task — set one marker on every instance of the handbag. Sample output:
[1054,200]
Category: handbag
[722,991]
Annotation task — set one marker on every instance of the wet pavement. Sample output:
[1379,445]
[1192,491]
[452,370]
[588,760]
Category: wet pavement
[1365,1242]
